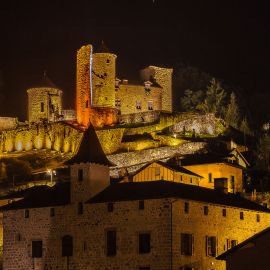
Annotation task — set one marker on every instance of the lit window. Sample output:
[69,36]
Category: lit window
[187,242]
[150,105]
[138,104]
[36,249]
[205,210]
[186,207]
[211,246]
[111,243]
[144,243]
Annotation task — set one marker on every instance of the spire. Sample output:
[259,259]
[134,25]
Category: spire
[103,48]
[90,150]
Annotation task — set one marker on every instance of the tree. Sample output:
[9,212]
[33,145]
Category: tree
[191,100]
[214,100]
[232,114]
[244,127]
[263,152]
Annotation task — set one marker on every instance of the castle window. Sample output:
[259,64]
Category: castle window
[111,243]
[86,104]
[110,207]
[52,212]
[144,268]
[80,175]
[26,213]
[42,107]
[108,61]
[150,105]
[144,243]
[241,215]
[141,205]
[186,207]
[258,218]
[211,246]
[210,177]
[117,102]
[138,104]
[67,246]
[224,212]
[181,178]
[191,180]
[205,210]
[18,237]
[80,208]
[187,242]
[37,249]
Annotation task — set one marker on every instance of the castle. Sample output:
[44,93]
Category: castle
[102,98]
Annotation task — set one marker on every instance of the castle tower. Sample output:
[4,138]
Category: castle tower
[103,75]
[44,101]
[89,168]
[84,84]
[162,76]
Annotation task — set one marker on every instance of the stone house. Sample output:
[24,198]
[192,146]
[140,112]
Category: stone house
[250,254]
[88,223]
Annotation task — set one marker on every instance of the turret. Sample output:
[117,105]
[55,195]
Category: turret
[103,74]
[44,101]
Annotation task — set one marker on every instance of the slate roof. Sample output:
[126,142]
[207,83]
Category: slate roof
[165,189]
[224,255]
[90,150]
[43,196]
[170,166]
[102,48]
[45,82]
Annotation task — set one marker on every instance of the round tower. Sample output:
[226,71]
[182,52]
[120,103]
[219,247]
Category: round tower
[44,101]
[103,78]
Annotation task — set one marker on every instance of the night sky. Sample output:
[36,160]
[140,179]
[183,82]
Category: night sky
[228,39]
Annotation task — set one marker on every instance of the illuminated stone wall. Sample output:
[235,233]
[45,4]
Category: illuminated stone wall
[7,123]
[132,95]
[103,75]
[163,76]
[83,98]
[56,136]
[44,103]
[88,231]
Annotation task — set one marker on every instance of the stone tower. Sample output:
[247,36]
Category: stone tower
[44,101]
[162,76]
[103,75]
[84,84]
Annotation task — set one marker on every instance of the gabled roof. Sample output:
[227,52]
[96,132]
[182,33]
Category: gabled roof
[224,255]
[172,167]
[90,150]
[129,191]
[240,155]
[43,196]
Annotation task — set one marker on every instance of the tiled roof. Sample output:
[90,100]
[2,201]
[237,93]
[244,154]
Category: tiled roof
[90,150]
[42,196]
[165,189]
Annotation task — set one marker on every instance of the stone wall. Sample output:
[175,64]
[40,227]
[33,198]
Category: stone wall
[160,217]
[7,123]
[130,96]
[149,117]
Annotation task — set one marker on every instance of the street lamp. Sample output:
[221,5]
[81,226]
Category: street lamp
[51,173]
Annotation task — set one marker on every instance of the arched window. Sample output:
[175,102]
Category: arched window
[67,246]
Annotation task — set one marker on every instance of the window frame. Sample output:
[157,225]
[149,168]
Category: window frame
[144,242]
[111,242]
[187,244]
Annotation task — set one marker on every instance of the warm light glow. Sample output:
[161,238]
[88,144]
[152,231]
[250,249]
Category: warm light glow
[19,146]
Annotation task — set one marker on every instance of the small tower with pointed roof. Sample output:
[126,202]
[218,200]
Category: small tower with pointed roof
[44,101]
[103,75]
[89,168]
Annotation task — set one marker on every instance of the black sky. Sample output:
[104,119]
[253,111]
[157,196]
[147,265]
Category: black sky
[229,39]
